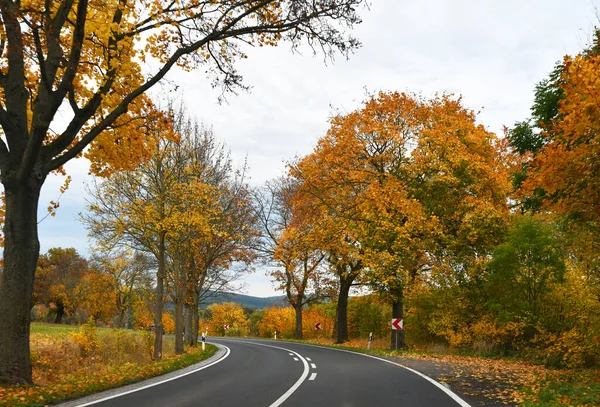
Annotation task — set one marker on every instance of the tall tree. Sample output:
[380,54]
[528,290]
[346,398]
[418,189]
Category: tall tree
[83,60]
[285,245]
[140,209]
[566,167]
[385,174]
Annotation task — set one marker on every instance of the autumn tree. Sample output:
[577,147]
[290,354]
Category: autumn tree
[97,296]
[83,61]
[221,253]
[149,208]
[385,174]
[59,274]
[285,245]
[565,167]
[127,271]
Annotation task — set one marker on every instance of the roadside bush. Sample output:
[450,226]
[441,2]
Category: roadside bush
[571,349]
[87,339]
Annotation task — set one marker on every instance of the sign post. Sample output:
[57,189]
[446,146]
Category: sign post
[318,329]
[397,325]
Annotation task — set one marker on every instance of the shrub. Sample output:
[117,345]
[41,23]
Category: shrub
[87,339]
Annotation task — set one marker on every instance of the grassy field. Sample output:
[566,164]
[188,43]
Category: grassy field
[71,361]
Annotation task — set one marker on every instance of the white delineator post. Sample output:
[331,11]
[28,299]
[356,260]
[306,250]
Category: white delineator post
[275,334]
[370,339]
[203,340]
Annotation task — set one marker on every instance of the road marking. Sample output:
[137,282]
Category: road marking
[227,352]
[291,354]
[298,383]
[437,384]
[312,376]
[308,359]
[296,359]
[313,365]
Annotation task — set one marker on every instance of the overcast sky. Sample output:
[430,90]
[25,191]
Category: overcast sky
[491,52]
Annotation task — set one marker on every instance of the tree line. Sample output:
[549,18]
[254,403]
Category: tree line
[473,239]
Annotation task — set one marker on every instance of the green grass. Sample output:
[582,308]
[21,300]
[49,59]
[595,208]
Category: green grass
[572,388]
[55,330]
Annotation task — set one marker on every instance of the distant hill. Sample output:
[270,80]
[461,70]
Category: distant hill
[244,300]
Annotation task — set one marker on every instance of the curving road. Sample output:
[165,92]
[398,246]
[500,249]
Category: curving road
[258,373]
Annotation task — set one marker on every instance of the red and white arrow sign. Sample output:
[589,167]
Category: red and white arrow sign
[225,327]
[318,326]
[397,324]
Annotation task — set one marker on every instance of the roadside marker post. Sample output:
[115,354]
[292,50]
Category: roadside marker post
[203,340]
[397,325]
[318,329]
[275,335]
[370,339]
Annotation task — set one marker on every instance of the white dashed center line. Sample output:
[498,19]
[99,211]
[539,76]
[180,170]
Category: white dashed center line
[312,376]
[296,359]
[313,365]
[308,359]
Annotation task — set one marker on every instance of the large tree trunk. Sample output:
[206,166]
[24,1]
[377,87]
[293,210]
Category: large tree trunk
[342,309]
[197,326]
[21,251]
[178,326]
[188,325]
[121,310]
[129,324]
[121,320]
[298,309]
[160,292]
[180,294]
[60,311]
[397,335]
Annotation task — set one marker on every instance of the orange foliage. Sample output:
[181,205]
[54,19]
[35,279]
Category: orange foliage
[280,319]
[567,167]
[311,316]
[168,323]
[97,295]
[382,178]
[283,320]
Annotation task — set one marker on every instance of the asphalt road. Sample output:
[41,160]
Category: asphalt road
[258,373]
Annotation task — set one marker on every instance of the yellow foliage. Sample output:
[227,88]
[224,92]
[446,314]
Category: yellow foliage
[168,323]
[280,319]
[87,339]
[570,349]
[231,314]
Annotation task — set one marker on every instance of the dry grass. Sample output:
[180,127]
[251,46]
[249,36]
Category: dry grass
[70,362]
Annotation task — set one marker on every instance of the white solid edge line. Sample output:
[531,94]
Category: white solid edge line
[298,383]
[312,376]
[227,352]
[437,384]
